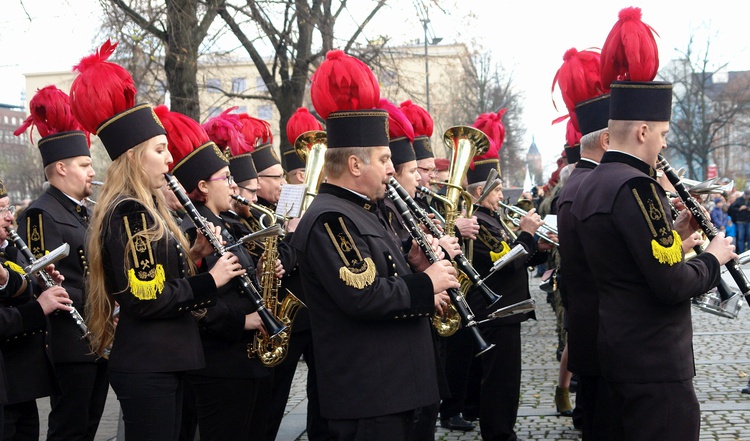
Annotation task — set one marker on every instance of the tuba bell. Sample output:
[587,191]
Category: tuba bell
[465,142]
[311,148]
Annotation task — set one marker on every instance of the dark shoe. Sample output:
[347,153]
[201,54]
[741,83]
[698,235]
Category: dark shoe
[457,423]
[562,401]
[746,390]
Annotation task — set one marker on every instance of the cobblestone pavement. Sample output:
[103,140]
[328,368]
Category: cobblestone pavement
[721,358]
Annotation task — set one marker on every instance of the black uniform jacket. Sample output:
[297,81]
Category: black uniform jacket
[369,313]
[510,282]
[577,284]
[50,221]
[222,327]
[28,372]
[643,283]
[149,279]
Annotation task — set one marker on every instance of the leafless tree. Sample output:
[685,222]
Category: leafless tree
[710,112]
[487,87]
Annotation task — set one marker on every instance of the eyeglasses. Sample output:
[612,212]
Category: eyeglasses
[251,190]
[277,177]
[228,178]
[10,209]
[429,171]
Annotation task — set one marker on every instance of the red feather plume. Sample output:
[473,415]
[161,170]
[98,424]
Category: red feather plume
[302,121]
[257,131]
[225,130]
[102,90]
[419,117]
[184,134]
[50,113]
[572,135]
[630,51]
[578,79]
[492,153]
[343,82]
[491,124]
[398,124]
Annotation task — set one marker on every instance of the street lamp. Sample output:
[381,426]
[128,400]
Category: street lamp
[435,40]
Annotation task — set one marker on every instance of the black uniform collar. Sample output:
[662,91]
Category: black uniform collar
[350,196]
[266,203]
[80,211]
[586,163]
[615,156]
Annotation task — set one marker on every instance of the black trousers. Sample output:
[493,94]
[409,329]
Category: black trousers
[225,407]
[666,411]
[600,422]
[459,351]
[21,421]
[396,427]
[300,344]
[151,404]
[501,383]
[76,413]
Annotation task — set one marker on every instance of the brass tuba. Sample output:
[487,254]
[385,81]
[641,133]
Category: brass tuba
[311,148]
[273,349]
[465,142]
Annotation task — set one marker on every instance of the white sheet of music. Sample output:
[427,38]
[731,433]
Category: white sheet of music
[290,201]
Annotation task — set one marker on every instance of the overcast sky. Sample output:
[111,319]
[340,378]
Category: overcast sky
[526,37]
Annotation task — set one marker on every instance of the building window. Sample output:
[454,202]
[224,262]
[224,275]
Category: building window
[214,111]
[261,85]
[388,78]
[213,85]
[238,85]
[265,112]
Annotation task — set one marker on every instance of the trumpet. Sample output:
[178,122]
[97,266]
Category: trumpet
[544,230]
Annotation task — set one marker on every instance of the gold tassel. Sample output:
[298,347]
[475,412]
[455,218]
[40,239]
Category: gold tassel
[147,289]
[494,256]
[361,279]
[15,267]
[670,255]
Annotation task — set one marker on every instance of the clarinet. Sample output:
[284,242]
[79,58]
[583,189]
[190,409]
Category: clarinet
[271,323]
[461,261]
[46,278]
[706,225]
[456,297]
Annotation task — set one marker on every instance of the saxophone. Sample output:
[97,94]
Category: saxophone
[273,349]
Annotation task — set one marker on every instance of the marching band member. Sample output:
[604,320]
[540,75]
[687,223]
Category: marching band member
[60,216]
[139,258]
[26,366]
[369,312]
[633,249]
[500,370]
[226,389]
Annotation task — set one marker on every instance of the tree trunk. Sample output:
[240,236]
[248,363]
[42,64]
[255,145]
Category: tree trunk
[181,62]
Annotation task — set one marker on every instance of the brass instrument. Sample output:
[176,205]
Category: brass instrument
[424,191]
[465,142]
[311,148]
[272,350]
[544,230]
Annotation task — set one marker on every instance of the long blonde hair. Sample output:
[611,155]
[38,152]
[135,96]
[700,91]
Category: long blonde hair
[125,178]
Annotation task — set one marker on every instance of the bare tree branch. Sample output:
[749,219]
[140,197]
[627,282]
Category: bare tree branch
[140,20]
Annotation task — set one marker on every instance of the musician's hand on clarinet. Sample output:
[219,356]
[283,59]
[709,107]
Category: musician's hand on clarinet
[450,245]
[721,247]
[692,241]
[53,299]
[442,300]
[53,273]
[437,222]
[686,224]
[202,247]
[254,322]
[417,259]
[443,276]
[469,227]
[226,268]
